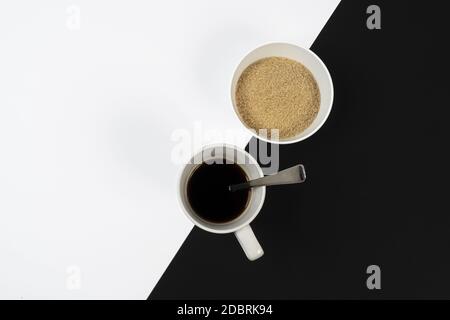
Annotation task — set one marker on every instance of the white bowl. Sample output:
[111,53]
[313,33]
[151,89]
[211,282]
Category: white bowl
[311,61]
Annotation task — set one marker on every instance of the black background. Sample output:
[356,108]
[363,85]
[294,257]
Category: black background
[377,188]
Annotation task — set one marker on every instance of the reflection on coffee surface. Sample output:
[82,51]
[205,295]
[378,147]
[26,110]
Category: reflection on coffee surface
[209,195]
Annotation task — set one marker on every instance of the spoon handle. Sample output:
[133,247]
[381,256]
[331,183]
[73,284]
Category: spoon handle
[291,175]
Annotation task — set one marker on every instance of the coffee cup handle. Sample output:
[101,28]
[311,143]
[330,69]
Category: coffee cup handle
[249,243]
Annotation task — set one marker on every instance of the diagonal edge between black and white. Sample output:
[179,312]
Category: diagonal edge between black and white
[364,204]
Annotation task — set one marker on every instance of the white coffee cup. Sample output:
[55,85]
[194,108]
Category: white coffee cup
[311,61]
[241,225]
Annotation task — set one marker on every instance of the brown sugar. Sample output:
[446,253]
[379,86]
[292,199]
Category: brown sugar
[278,93]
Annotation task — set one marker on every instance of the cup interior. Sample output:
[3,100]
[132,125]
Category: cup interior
[229,154]
[311,61]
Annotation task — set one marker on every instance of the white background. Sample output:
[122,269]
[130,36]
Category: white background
[87,187]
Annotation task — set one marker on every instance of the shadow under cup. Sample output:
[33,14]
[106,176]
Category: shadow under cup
[230,155]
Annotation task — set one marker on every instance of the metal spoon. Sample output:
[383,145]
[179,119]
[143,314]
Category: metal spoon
[291,175]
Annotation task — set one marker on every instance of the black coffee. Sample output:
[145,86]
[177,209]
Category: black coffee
[208,192]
